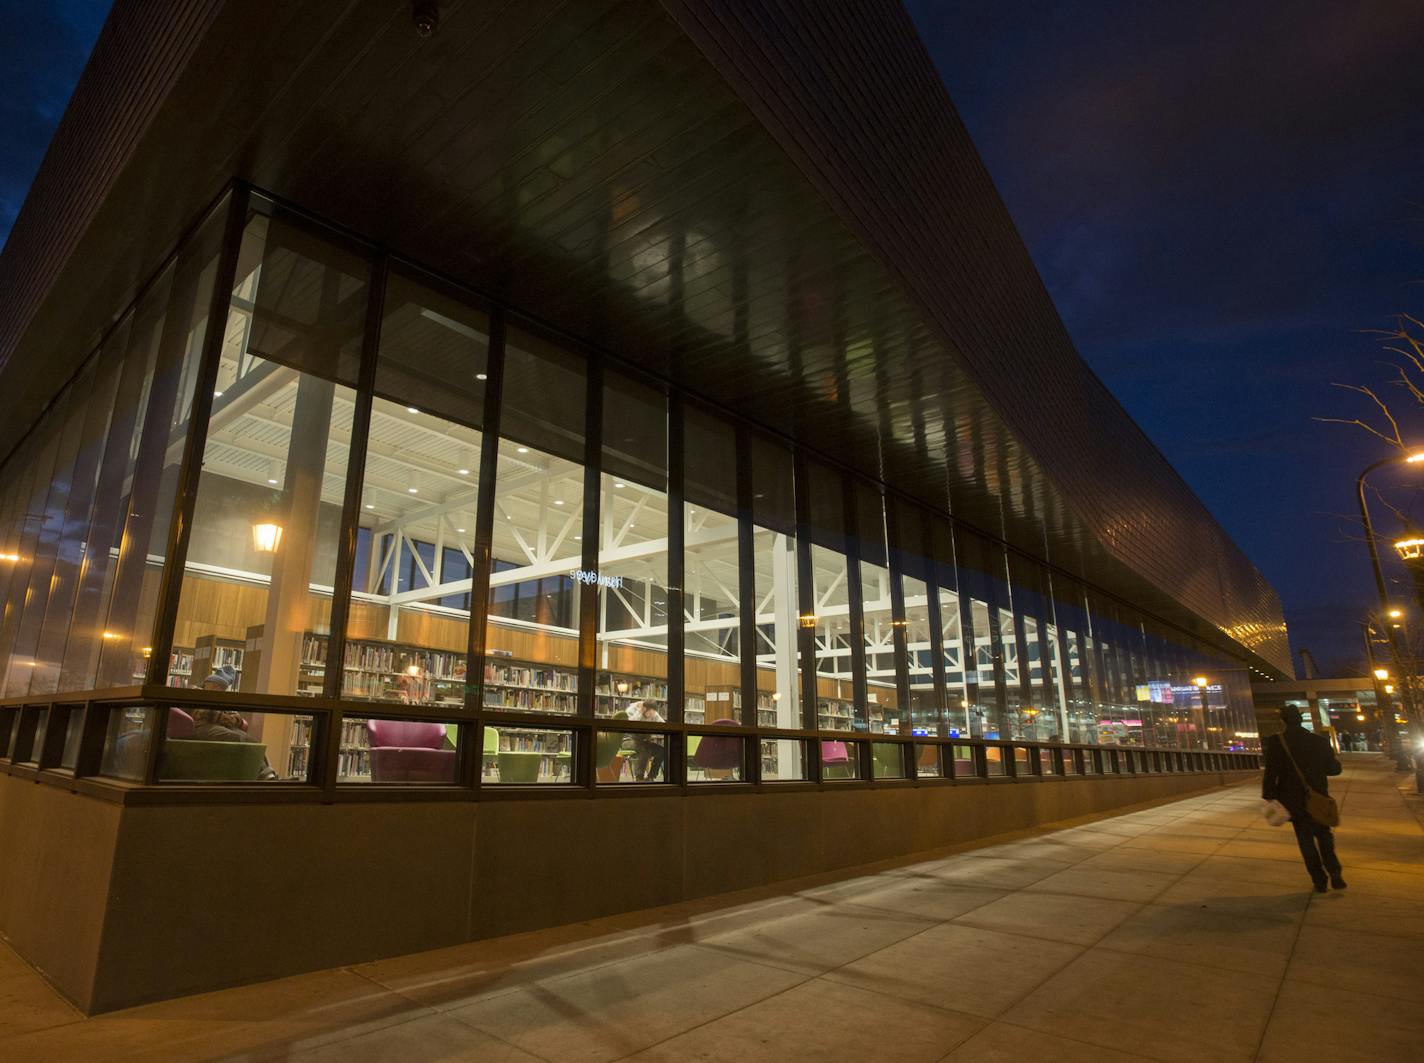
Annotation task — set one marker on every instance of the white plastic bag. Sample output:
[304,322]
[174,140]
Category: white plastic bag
[1275,813]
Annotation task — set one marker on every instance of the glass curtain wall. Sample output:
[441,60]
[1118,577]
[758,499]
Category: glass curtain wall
[1044,714]
[922,619]
[537,576]
[776,587]
[830,603]
[407,630]
[1079,679]
[884,712]
[261,563]
[711,580]
[808,599]
[89,495]
[632,573]
[962,718]
[258,578]
[989,636]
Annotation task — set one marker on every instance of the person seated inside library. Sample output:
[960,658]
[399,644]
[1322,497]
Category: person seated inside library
[649,751]
[225,725]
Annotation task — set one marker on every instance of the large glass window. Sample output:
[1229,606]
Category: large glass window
[778,662]
[72,545]
[988,634]
[209,745]
[261,561]
[1044,715]
[961,716]
[632,575]
[884,714]
[50,540]
[1072,617]
[829,618]
[34,556]
[536,560]
[408,630]
[926,712]
[122,537]
[711,582]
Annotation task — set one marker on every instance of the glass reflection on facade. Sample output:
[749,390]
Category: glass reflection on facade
[460,527]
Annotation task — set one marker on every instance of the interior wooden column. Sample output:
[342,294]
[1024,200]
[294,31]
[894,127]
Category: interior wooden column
[289,596]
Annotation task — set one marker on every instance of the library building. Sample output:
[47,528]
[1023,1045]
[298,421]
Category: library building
[477,467]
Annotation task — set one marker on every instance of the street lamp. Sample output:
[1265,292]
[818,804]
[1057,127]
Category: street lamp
[1391,613]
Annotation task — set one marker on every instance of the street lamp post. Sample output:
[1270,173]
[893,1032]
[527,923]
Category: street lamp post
[1388,613]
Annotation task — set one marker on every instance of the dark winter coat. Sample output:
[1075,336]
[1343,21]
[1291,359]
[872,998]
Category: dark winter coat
[1316,759]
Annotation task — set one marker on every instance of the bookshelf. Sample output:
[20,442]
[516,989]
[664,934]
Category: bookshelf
[376,670]
[180,668]
[354,762]
[515,754]
[211,652]
[614,692]
[526,686]
[725,703]
[835,714]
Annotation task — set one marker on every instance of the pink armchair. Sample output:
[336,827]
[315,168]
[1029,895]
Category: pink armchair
[410,751]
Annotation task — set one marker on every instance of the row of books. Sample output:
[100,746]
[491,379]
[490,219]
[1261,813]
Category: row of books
[380,657]
[631,689]
[531,677]
[546,742]
[537,700]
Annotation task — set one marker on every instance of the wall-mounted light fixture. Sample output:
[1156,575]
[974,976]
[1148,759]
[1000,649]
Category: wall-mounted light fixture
[266,537]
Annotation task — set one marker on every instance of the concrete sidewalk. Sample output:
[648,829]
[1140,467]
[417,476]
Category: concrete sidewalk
[1185,931]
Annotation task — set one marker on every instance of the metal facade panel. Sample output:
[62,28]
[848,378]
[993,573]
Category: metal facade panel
[819,249]
[849,89]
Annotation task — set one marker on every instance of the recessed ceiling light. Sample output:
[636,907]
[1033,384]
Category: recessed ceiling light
[370,506]
[460,530]
[578,538]
[217,394]
[558,501]
[463,472]
[524,450]
[620,484]
[271,479]
[413,490]
[481,376]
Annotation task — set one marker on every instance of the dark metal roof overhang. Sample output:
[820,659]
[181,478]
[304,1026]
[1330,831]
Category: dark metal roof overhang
[780,213]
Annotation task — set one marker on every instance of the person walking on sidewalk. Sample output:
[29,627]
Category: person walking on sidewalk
[1314,759]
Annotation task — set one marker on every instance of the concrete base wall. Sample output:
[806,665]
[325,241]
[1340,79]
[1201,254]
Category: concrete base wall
[56,855]
[122,905]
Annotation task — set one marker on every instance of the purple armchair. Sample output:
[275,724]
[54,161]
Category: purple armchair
[180,724]
[719,755]
[409,751]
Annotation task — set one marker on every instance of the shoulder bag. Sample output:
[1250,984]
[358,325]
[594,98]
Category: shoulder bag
[1320,807]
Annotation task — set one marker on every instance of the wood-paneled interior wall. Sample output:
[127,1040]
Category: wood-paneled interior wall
[217,607]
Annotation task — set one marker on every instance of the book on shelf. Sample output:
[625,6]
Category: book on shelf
[532,677]
[630,688]
[519,740]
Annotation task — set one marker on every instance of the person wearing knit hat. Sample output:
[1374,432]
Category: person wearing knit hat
[225,725]
[222,678]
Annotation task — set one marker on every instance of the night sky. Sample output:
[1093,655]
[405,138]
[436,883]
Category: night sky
[1219,196]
